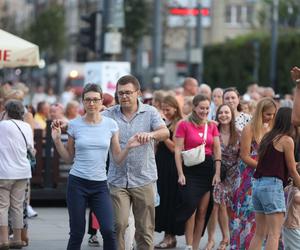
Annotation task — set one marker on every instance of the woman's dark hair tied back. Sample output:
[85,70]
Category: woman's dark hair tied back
[92,87]
[199,98]
[231,89]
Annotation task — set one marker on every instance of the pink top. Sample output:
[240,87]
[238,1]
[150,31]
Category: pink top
[190,133]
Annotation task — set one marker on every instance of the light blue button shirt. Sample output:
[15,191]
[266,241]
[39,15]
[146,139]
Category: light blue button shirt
[139,168]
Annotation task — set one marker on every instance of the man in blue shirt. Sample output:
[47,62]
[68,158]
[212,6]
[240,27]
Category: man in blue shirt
[133,182]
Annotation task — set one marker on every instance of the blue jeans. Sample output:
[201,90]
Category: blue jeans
[268,195]
[81,192]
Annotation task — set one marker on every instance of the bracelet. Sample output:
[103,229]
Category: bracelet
[218,160]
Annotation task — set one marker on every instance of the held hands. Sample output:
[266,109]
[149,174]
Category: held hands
[144,137]
[133,142]
[139,139]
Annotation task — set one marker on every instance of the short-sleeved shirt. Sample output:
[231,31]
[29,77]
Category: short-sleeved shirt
[194,135]
[14,164]
[139,168]
[92,142]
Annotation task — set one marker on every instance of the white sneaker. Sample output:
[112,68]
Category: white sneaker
[188,247]
[93,241]
[30,212]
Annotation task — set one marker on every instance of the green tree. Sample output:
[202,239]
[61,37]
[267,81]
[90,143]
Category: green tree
[289,11]
[48,32]
[7,22]
[136,22]
[232,63]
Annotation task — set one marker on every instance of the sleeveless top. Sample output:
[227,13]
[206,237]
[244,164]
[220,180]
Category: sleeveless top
[272,164]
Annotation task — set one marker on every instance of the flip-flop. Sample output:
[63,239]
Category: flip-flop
[210,245]
[166,245]
[223,245]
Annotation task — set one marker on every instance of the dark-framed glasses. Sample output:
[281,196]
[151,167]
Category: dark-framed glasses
[126,93]
[92,100]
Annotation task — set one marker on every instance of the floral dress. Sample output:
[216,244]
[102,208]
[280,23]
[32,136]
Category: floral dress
[242,120]
[242,224]
[230,159]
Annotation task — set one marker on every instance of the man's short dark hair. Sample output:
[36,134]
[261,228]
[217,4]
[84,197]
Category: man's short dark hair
[14,109]
[129,79]
[91,87]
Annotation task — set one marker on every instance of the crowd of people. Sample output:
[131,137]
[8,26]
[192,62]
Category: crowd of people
[127,163]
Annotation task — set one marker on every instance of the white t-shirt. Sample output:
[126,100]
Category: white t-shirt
[13,153]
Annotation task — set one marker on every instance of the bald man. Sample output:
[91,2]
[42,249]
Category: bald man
[190,87]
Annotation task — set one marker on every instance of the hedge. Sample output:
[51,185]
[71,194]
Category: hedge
[232,63]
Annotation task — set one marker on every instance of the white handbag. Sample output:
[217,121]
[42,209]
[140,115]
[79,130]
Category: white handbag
[195,155]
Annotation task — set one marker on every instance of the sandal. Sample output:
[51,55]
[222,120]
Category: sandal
[25,243]
[223,245]
[166,244]
[210,245]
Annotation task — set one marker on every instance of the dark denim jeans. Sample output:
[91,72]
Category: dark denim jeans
[81,192]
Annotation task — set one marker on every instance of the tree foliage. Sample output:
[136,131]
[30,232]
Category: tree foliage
[7,22]
[232,63]
[136,21]
[288,12]
[48,32]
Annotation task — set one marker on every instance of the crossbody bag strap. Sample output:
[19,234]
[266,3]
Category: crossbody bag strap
[205,133]
[21,133]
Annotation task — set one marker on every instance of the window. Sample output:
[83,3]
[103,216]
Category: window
[250,11]
[238,14]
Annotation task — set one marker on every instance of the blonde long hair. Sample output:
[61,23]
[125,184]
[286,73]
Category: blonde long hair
[257,119]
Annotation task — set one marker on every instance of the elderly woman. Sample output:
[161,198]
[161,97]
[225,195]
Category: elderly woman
[14,171]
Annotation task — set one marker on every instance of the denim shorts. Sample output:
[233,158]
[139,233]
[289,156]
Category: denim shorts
[268,195]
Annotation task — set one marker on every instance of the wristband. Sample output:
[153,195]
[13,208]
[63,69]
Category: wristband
[218,160]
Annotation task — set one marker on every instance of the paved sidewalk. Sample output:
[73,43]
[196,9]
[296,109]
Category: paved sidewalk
[49,231]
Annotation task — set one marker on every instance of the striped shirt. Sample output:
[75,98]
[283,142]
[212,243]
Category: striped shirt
[139,168]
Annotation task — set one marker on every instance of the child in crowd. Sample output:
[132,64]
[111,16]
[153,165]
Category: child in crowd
[291,226]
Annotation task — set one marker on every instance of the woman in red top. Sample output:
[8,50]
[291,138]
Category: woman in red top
[275,162]
[196,181]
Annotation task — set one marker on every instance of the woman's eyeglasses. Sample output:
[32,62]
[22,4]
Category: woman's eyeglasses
[92,100]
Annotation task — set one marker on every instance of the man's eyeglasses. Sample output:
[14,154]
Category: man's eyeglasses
[94,100]
[125,93]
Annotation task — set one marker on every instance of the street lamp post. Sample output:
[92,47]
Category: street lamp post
[274,41]
[157,39]
[199,46]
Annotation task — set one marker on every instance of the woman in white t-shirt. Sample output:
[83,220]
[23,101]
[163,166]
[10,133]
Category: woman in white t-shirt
[14,171]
